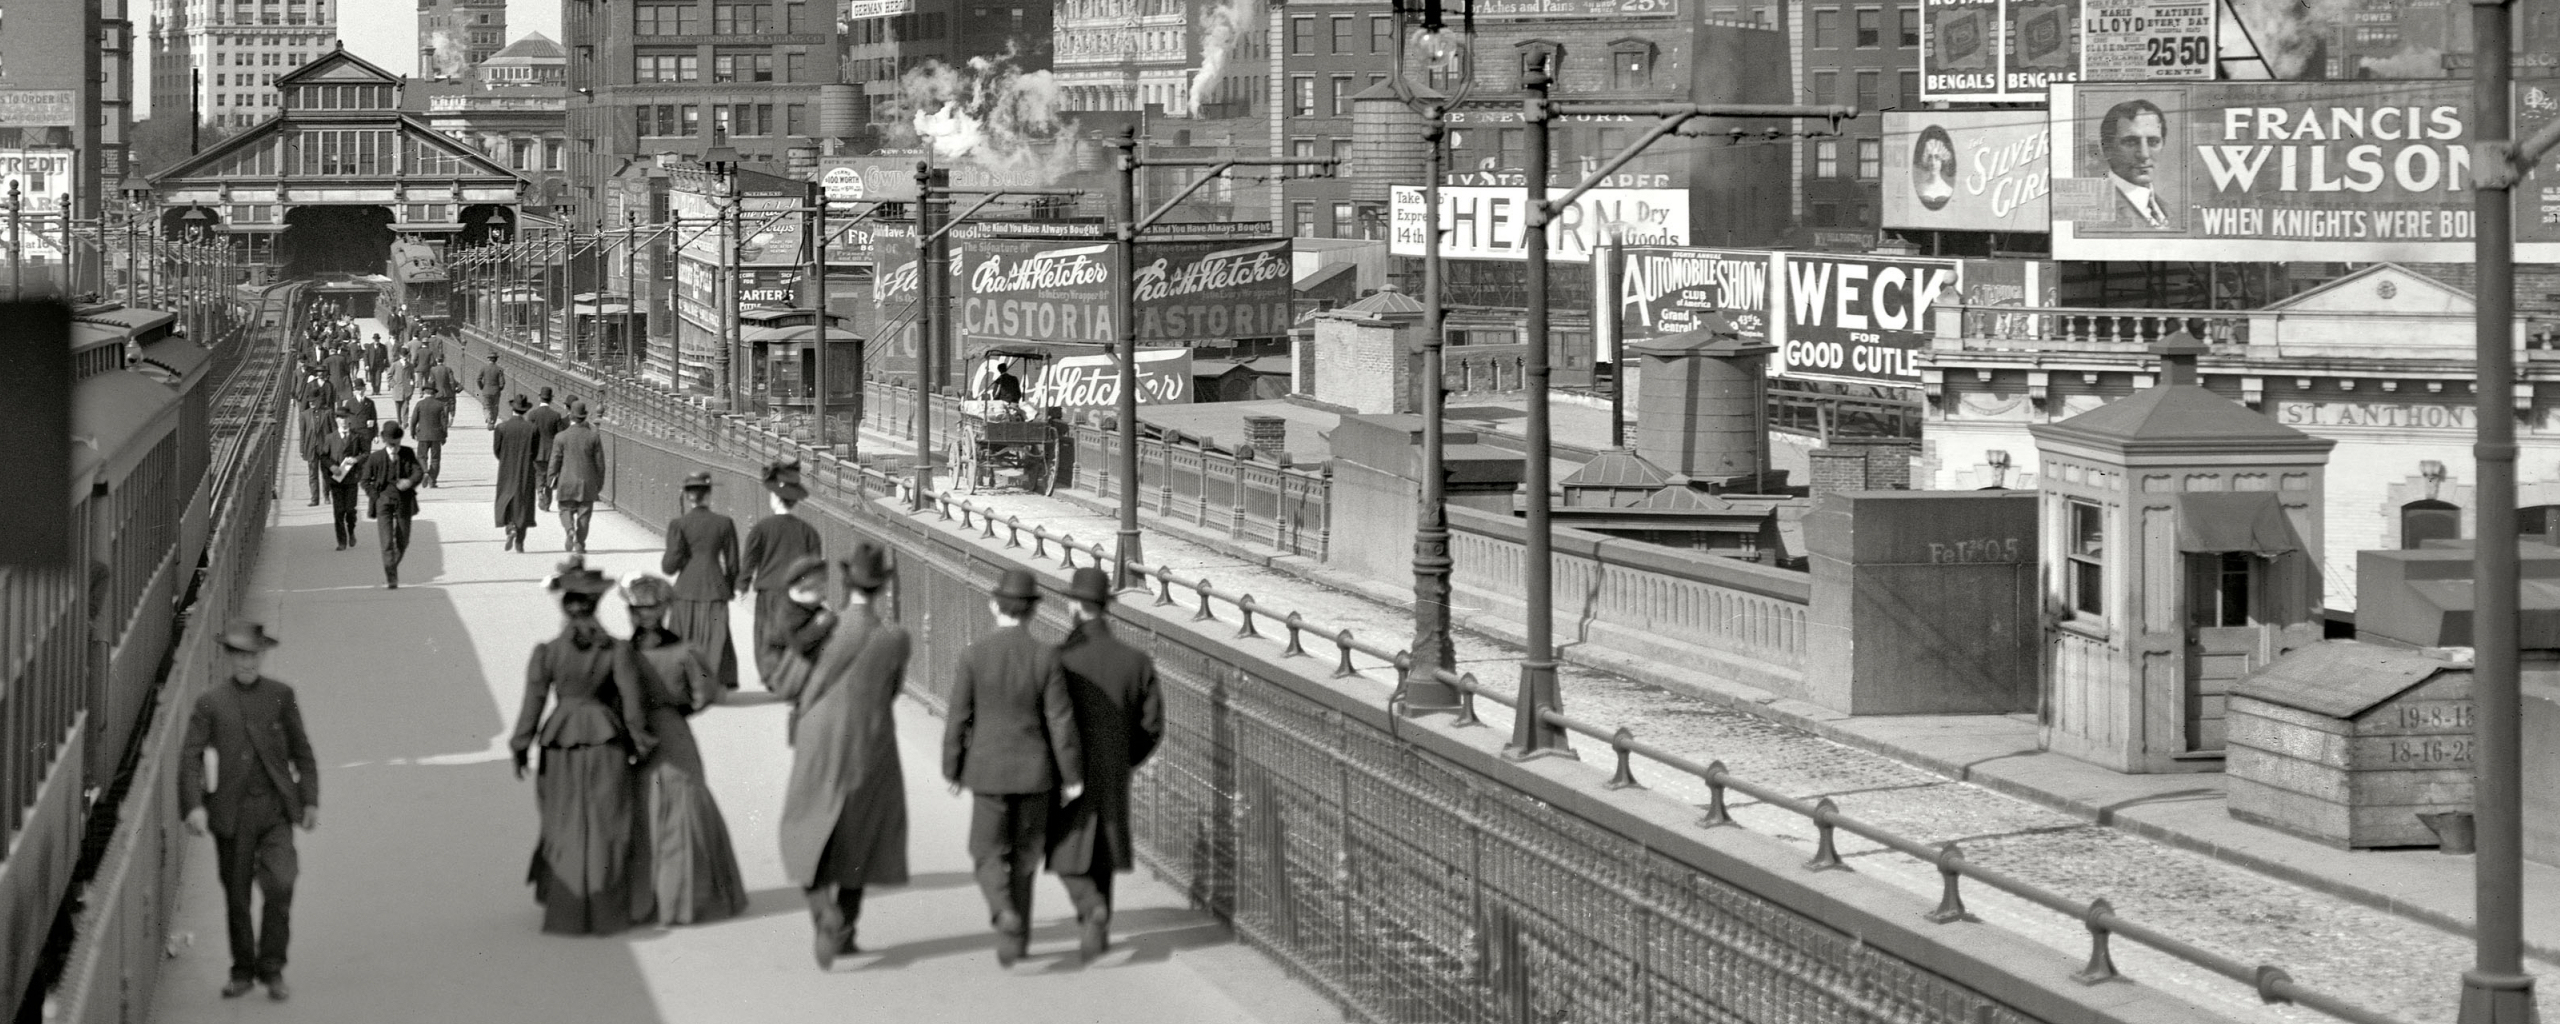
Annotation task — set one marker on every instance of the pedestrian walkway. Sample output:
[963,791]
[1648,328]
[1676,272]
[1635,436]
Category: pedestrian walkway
[412,904]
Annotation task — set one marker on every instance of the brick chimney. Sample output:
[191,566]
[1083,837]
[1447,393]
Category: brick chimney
[1269,436]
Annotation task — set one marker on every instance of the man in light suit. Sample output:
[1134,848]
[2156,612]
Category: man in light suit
[576,475]
[2132,134]
[1010,738]
[268,781]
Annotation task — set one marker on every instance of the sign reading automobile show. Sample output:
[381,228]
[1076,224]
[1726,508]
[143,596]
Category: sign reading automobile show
[1838,318]
[2364,171]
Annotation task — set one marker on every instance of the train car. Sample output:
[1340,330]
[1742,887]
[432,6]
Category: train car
[421,289]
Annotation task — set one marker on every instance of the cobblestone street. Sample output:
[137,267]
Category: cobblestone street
[2382,961]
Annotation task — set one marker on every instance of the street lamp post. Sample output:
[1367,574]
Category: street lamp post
[931,182]
[17,252]
[721,160]
[1531,734]
[630,288]
[818,300]
[1433,648]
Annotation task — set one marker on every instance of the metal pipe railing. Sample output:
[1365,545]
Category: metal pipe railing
[736,435]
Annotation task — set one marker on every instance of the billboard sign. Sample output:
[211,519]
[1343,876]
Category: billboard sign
[2269,171]
[1487,222]
[1997,51]
[42,45]
[2148,40]
[1035,290]
[1666,291]
[1190,292]
[1859,319]
[855,10]
[1980,170]
[867,179]
[1578,9]
[1093,381]
[892,316]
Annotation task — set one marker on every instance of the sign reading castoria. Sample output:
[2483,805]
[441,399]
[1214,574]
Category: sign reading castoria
[2350,171]
[1488,222]
[1859,319]
[1033,290]
[1190,292]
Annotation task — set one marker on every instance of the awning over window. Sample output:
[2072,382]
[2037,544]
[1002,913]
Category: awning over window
[2251,521]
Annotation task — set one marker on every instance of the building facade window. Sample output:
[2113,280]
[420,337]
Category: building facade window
[666,67]
[1908,95]
[666,20]
[1302,96]
[1826,87]
[1826,28]
[1302,35]
[1540,53]
[1302,219]
[1826,158]
[1382,34]
[742,67]
[1343,89]
[1345,35]
[2084,550]
[1870,28]
[1870,159]
[1868,83]
[1909,38]
[2427,519]
[741,19]
[1342,158]
[1630,64]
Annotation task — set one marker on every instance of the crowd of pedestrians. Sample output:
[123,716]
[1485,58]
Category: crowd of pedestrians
[1044,737]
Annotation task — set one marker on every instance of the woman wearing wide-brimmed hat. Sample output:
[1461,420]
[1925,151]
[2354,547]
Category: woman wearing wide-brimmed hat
[691,864]
[844,815]
[583,868]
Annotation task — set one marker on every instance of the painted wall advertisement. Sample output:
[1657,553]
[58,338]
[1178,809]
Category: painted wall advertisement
[1838,318]
[1190,292]
[868,179]
[43,176]
[2270,171]
[1985,170]
[891,318]
[41,48]
[1034,290]
[2008,51]
[1488,222]
[1093,381]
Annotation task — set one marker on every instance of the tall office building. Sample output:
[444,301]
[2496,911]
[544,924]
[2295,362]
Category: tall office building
[238,47]
[455,36]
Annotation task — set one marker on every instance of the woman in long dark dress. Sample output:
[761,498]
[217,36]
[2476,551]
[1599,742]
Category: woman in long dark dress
[583,870]
[692,867]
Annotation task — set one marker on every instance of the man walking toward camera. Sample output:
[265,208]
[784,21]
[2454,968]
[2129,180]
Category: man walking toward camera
[1010,738]
[268,782]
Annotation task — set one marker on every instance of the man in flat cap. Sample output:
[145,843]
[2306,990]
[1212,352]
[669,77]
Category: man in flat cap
[267,782]
[1010,738]
[1119,717]
[776,543]
[702,555]
[576,475]
[516,441]
[844,815]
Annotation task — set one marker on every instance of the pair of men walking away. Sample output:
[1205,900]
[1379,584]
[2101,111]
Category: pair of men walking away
[1047,740]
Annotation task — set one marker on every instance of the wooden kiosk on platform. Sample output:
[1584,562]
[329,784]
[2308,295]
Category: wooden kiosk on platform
[2181,533]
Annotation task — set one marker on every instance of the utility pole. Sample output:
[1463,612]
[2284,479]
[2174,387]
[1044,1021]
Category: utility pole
[1531,734]
[1124,257]
[817,220]
[2497,990]
[930,182]
[630,288]
[17,253]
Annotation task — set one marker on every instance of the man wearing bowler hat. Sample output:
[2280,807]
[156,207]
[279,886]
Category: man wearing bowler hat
[267,782]
[702,555]
[576,476]
[1119,717]
[493,384]
[844,815]
[1010,738]
[776,543]
[391,475]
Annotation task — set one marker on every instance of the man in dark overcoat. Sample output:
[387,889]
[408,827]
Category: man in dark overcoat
[1010,739]
[267,782]
[337,366]
[347,447]
[367,414]
[702,555]
[1119,717]
[377,358]
[844,815]
[576,472]
[493,384]
[548,421]
[776,543]
[515,441]
[429,419]
[319,430]
[391,475]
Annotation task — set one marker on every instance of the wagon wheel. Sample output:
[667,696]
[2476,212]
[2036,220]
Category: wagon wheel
[963,465]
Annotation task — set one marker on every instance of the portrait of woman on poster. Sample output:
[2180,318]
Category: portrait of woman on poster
[1933,167]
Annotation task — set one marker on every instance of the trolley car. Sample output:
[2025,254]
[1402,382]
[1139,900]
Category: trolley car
[420,290]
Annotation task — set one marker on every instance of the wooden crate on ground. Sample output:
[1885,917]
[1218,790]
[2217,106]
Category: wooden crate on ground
[2348,743]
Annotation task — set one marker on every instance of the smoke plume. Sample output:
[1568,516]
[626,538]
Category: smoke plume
[989,113]
[449,54]
[1224,31]
[2293,35]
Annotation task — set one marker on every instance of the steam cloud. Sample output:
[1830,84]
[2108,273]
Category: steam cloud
[2293,35]
[989,113]
[1224,30]
[449,54]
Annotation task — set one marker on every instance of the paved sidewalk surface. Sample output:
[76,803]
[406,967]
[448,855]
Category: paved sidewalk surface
[412,904]
[2387,929]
